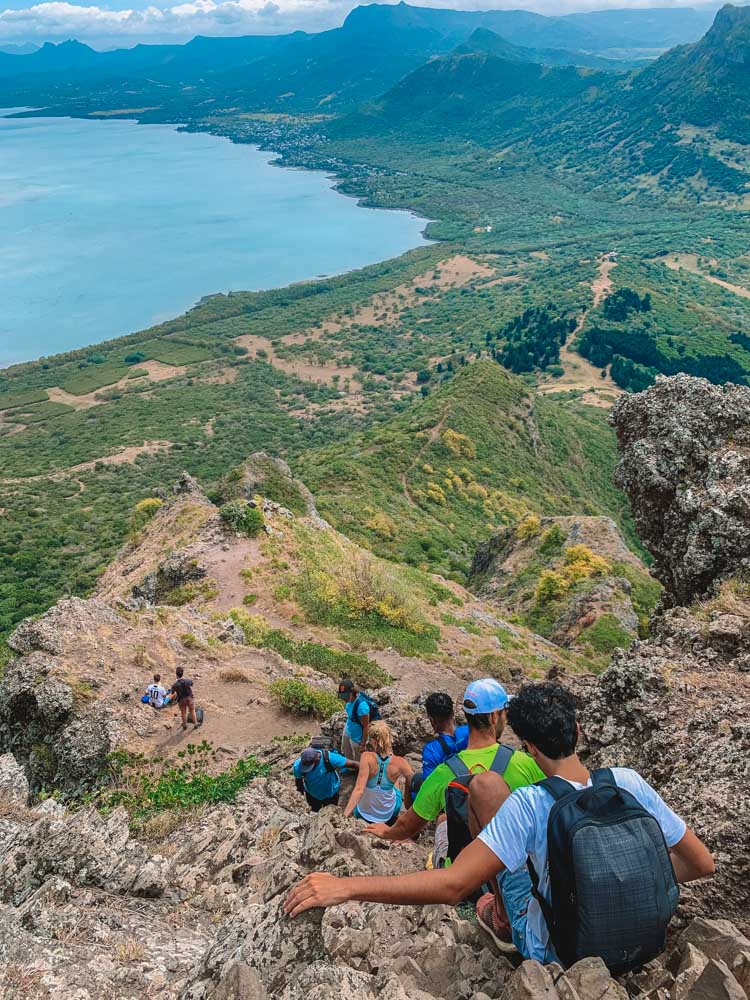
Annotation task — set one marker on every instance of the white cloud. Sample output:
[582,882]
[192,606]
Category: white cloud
[57,20]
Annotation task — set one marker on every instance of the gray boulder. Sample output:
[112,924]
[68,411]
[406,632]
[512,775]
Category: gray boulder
[685,466]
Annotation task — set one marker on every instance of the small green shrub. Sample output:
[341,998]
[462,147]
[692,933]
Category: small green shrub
[190,641]
[250,599]
[605,635]
[242,518]
[146,787]
[298,698]
[493,665]
[143,511]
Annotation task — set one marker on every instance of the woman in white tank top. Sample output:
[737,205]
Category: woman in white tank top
[376,797]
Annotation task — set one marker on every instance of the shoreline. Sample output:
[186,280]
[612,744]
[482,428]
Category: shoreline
[272,158]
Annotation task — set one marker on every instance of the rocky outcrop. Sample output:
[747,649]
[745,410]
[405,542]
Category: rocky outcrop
[50,720]
[685,466]
[272,477]
[676,707]
[509,570]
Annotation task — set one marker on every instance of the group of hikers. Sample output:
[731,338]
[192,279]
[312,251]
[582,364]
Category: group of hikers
[180,694]
[560,862]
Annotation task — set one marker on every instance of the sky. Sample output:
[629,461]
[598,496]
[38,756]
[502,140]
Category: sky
[111,26]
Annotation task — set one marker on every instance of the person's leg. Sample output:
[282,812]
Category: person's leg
[346,746]
[356,750]
[516,893]
[191,711]
[315,804]
[183,712]
[487,792]
[333,800]
[440,850]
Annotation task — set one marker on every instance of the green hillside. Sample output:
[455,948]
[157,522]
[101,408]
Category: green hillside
[480,453]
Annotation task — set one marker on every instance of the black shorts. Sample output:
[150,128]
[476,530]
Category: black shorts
[317,804]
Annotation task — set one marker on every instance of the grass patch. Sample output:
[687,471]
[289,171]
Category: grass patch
[93,377]
[186,593]
[605,635]
[334,663]
[171,352]
[36,413]
[8,400]
[148,787]
[298,698]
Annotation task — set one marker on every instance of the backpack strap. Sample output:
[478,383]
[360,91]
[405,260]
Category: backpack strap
[383,761]
[502,758]
[327,761]
[603,776]
[544,906]
[557,787]
[457,766]
[443,745]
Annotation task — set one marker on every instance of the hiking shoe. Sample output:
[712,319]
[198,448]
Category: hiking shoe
[497,926]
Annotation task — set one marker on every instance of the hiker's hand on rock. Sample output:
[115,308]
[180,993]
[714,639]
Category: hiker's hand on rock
[377,830]
[317,890]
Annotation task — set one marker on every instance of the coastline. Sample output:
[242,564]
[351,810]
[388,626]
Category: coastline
[270,157]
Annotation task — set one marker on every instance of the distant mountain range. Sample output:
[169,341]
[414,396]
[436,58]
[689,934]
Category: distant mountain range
[375,47]
[541,89]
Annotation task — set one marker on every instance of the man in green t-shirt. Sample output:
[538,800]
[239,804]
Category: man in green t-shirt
[485,705]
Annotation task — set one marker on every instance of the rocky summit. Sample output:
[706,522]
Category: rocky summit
[98,903]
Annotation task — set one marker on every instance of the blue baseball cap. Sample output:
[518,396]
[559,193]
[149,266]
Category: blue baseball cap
[484,696]
[309,759]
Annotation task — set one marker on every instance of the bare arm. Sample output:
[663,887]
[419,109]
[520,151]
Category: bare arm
[691,858]
[362,776]
[408,826]
[475,864]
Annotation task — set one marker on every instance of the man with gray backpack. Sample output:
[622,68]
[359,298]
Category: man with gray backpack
[585,864]
[317,773]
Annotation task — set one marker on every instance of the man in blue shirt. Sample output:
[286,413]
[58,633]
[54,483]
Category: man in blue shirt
[317,775]
[450,739]
[357,726]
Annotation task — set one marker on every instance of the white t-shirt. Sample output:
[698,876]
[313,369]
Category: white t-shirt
[156,694]
[519,830]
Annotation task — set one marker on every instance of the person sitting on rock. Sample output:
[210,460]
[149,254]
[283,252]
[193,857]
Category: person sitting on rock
[376,797]
[182,689]
[316,772]
[157,695]
[485,704]
[449,740]
[511,828]
[357,725]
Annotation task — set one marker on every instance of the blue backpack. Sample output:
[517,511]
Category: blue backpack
[372,705]
[612,884]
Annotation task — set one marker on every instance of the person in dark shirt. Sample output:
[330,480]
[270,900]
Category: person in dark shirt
[450,739]
[182,689]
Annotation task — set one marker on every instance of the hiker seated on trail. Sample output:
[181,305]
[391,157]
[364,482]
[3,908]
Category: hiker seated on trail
[485,704]
[156,696]
[182,690]
[450,739]
[607,888]
[361,710]
[376,797]
[316,773]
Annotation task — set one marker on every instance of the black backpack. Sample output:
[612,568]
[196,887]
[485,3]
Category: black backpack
[457,798]
[612,884]
[370,701]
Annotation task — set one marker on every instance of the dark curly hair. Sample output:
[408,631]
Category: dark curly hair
[439,706]
[545,715]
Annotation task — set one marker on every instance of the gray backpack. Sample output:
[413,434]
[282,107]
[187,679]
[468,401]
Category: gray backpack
[612,883]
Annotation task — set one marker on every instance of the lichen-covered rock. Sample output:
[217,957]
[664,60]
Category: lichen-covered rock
[177,569]
[60,743]
[685,466]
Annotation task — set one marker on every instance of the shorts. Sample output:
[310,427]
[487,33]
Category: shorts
[516,891]
[349,748]
[317,804]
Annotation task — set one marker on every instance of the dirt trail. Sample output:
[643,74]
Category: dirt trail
[122,457]
[580,375]
[689,262]
[431,438]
